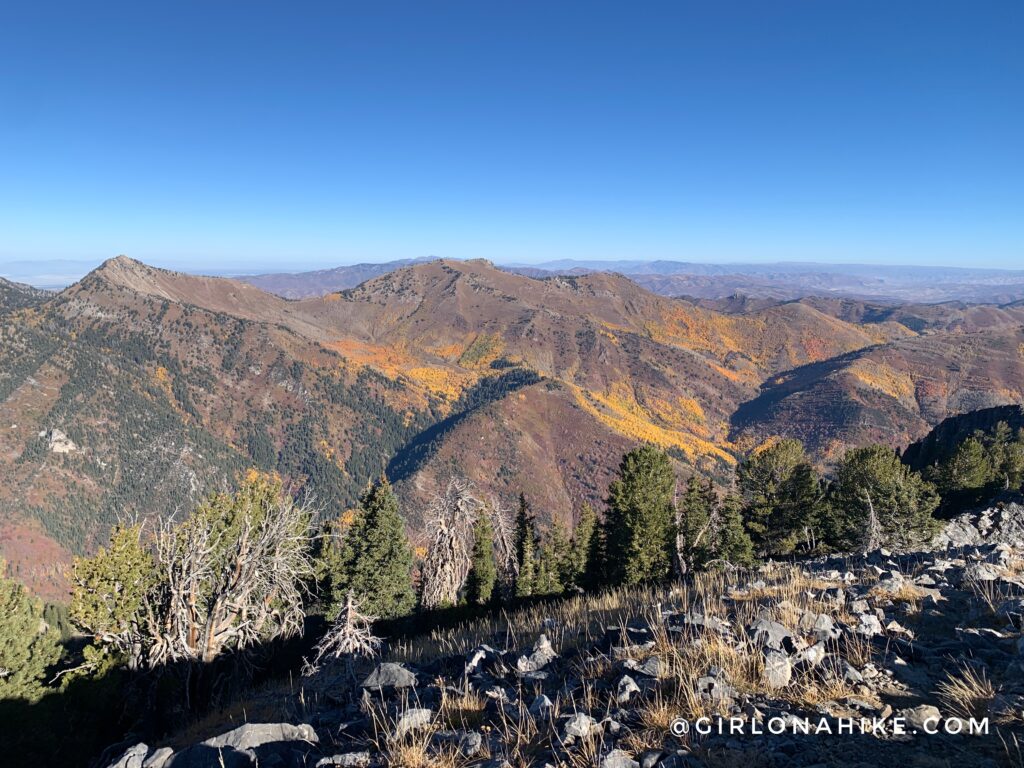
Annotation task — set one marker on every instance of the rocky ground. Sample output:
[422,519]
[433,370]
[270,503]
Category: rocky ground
[888,646]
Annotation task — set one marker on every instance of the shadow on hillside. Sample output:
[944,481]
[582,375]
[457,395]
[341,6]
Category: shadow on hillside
[91,720]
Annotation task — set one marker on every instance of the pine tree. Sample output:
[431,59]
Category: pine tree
[968,469]
[876,496]
[28,646]
[640,535]
[1006,456]
[552,566]
[581,548]
[526,549]
[483,573]
[374,560]
[733,542]
[694,542]
[801,510]
[782,495]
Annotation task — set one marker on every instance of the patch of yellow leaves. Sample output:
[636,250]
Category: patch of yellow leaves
[619,411]
[883,378]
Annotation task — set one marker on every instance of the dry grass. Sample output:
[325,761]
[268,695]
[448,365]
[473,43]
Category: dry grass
[967,694]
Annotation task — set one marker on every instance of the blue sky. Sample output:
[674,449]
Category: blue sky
[294,135]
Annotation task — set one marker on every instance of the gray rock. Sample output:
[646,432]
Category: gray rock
[770,634]
[541,706]
[253,735]
[917,717]
[347,760]
[412,720]
[159,758]
[542,655]
[390,675]
[625,689]
[580,726]
[617,758]
[778,671]
[133,757]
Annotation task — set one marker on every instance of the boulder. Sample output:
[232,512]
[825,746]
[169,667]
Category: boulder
[390,675]
[579,726]
[541,655]
[347,760]
[625,689]
[617,758]
[778,670]
[133,757]
[411,720]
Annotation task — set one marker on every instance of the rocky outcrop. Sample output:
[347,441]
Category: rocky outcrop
[771,665]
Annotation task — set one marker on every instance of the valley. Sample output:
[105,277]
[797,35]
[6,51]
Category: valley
[169,385]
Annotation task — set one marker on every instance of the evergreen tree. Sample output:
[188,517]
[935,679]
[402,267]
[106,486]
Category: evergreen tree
[552,565]
[374,559]
[781,493]
[483,573]
[694,545]
[968,469]
[733,543]
[28,646]
[526,549]
[801,510]
[640,536]
[1006,456]
[581,548]
[876,496]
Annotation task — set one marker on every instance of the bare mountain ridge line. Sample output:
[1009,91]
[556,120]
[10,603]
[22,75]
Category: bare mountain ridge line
[781,280]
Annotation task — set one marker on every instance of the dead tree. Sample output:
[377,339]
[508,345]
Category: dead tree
[450,516]
[229,578]
[350,637]
[504,542]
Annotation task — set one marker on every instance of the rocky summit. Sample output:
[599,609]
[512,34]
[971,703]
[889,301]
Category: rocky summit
[884,658]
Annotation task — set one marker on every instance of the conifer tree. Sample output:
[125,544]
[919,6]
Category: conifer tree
[374,560]
[782,496]
[640,535]
[526,549]
[483,573]
[968,469]
[733,543]
[876,499]
[552,565]
[694,541]
[28,646]
[1006,456]
[581,548]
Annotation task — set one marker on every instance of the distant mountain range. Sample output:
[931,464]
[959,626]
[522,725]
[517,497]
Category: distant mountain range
[672,278]
[783,280]
[136,390]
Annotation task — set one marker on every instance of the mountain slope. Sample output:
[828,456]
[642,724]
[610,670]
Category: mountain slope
[893,393]
[136,390]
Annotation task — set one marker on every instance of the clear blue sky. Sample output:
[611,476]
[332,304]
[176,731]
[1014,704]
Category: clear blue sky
[244,134]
